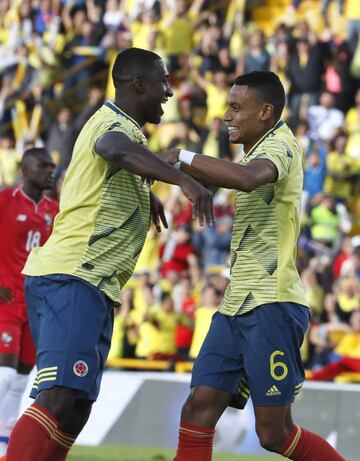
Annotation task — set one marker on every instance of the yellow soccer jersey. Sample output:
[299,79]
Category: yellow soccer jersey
[104,213]
[265,231]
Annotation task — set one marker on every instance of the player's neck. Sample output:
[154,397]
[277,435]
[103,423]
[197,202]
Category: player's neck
[32,192]
[248,146]
[127,106]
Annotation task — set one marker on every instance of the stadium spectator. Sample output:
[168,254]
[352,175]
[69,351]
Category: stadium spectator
[175,252]
[95,100]
[324,119]
[214,140]
[177,29]
[61,135]
[216,93]
[351,266]
[314,292]
[202,316]
[185,303]
[339,169]
[124,338]
[348,293]
[213,243]
[347,351]
[325,222]
[157,331]
[314,170]
[351,10]
[256,57]
[337,78]
[326,332]
[306,66]
[9,161]
[26,218]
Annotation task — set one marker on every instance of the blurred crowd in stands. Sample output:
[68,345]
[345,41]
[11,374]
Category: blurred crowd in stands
[55,71]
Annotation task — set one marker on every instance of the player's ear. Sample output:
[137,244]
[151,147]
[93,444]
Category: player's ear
[267,111]
[138,84]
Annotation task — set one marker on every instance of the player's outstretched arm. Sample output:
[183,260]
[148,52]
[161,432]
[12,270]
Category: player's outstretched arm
[222,173]
[116,147]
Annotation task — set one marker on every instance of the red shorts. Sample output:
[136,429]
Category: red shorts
[15,336]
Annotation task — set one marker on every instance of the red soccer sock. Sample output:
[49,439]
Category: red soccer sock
[304,445]
[31,434]
[195,443]
[58,446]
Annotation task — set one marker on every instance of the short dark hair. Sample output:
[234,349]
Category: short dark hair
[34,152]
[268,85]
[132,62]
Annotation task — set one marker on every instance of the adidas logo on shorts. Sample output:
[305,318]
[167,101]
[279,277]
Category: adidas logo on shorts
[273,391]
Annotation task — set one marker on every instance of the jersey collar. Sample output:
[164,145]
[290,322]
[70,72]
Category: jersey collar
[21,191]
[278,125]
[116,109]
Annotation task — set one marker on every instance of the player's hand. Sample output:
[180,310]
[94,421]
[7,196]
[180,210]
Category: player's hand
[170,155]
[147,181]
[5,295]
[201,199]
[157,212]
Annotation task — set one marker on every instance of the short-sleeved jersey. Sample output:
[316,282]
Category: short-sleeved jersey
[265,230]
[24,225]
[104,212]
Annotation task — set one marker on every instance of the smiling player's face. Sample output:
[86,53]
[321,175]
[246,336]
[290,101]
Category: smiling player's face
[157,92]
[243,116]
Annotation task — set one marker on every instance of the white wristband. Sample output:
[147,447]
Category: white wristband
[186,156]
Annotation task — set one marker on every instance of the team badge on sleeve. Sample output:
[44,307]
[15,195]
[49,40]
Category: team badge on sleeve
[80,368]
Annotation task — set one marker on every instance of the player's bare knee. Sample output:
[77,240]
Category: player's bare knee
[200,410]
[271,438]
[76,420]
[59,401]
[194,408]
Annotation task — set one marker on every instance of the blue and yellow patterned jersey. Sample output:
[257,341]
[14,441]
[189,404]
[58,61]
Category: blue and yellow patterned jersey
[104,212]
[265,231]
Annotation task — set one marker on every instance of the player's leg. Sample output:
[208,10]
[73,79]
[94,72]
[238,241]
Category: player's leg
[273,426]
[275,375]
[10,404]
[10,334]
[69,428]
[199,416]
[278,433]
[72,424]
[215,380]
[7,374]
[69,358]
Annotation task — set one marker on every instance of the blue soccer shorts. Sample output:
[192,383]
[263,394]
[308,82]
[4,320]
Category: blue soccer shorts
[256,354]
[71,322]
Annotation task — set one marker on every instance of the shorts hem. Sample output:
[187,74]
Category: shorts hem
[219,388]
[272,404]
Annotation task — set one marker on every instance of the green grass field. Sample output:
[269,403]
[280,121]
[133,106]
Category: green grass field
[121,453]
